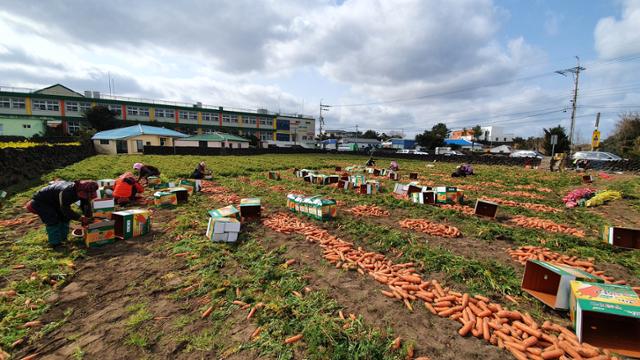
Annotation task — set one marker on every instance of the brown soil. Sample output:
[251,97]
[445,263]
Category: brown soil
[618,213]
[433,336]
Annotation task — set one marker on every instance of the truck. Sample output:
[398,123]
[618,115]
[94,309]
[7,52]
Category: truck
[446,151]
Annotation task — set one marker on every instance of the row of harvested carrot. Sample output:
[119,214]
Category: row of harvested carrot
[430,228]
[523,194]
[461,208]
[20,220]
[533,187]
[368,210]
[530,206]
[548,225]
[512,330]
[524,253]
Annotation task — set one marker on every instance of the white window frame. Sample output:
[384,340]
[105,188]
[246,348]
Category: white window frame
[184,115]
[5,102]
[116,108]
[233,119]
[206,116]
[226,118]
[192,115]
[18,103]
[45,105]
[72,106]
[73,126]
[84,106]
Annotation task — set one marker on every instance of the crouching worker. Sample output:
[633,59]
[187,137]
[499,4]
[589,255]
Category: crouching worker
[201,171]
[462,171]
[394,166]
[126,189]
[53,205]
[144,171]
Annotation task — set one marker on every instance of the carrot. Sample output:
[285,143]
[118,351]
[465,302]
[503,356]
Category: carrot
[396,343]
[409,352]
[290,262]
[30,357]
[206,313]
[293,339]
[464,330]
[32,324]
[569,349]
[256,332]
[465,300]
[17,343]
[552,354]
[253,311]
[239,302]
[485,329]
[8,294]
[430,308]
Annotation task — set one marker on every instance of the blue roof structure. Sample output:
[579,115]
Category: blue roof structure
[136,130]
[460,142]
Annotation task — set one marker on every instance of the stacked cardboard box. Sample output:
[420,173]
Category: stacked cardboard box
[106,183]
[550,283]
[315,207]
[224,229]
[622,237]
[153,180]
[486,208]
[607,316]
[358,180]
[182,194]
[250,208]
[99,233]
[165,199]
[131,223]
[103,208]
[164,186]
[192,185]
[448,195]
[424,197]
[304,172]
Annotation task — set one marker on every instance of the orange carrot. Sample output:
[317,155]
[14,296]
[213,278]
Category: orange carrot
[552,354]
[293,339]
[396,343]
[464,330]
[206,313]
[253,311]
[256,332]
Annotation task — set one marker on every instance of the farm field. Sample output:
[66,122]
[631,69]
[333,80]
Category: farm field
[276,294]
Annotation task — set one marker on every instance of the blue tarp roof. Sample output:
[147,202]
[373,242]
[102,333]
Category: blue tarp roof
[459,142]
[330,141]
[136,130]
[403,141]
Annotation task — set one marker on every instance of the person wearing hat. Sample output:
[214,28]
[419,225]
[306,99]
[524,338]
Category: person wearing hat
[53,205]
[126,189]
[201,171]
[144,171]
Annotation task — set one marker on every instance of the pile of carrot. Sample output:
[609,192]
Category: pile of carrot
[21,220]
[471,188]
[533,187]
[523,194]
[490,184]
[537,223]
[431,228]
[512,330]
[461,208]
[524,253]
[225,198]
[209,187]
[530,206]
[278,189]
[368,210]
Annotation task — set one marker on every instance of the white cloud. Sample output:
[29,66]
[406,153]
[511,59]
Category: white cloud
[552,23]
[618,37]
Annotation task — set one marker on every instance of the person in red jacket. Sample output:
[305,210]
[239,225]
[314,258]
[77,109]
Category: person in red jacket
[126,188]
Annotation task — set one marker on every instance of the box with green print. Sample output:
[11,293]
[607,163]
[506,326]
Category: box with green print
[607,316]
[132,223]
[549,282]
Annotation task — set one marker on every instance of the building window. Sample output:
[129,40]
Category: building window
[505,139]
[267,122]
[72,106]
[163,141]
[138,111]
[46,105]
[11,103]
[226,118]
[266,136]
[139,146]
[116,109]
[26,126]
[84,106]
[233,119]
[73,127]
[208,116]
[165,113]
[104,142]
[188,115]
[497,138]
[249,120]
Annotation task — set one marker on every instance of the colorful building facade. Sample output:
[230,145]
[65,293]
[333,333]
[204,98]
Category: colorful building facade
[60,106]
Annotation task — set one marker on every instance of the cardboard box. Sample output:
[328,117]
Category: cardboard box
[131,223]
[250,208]
[331,179]
[106,183]
[99,233]
[486,208]
[344,184]
[292,201]
[607,316]
[315,206]
[448,195]
[164,186]
[338,168]
[376,172]
[424,197]
[104,193]
[182,194]
[223,229]
[103,208]
[587,179]
[153,180]
[411,188]
[549,283]
[358,180]
[413,176]
[364,189]
[400,189]
[227,211]
[192,186]
[622,237]
[165,199]
[274,175]
[394,176]
[304,172]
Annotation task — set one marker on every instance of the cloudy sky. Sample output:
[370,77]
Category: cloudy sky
[387,65]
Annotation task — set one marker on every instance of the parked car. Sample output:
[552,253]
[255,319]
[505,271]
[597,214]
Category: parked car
[525,154]
[414,152]
[595,155]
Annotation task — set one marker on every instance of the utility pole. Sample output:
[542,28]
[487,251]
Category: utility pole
[321,120]
[357,146]
[576,76]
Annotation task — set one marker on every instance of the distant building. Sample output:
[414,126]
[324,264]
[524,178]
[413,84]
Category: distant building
[495,134]
[464,144]
[132,139]
[402,143]
[502,149]
[26,112]
[360,142]
[465,134]
[340,134]
[215,140]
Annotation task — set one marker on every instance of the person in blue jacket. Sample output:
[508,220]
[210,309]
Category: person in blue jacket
[53,205]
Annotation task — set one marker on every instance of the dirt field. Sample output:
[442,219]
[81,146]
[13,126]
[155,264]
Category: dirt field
[145,297]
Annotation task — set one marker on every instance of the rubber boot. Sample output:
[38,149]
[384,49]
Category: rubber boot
[64,231]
